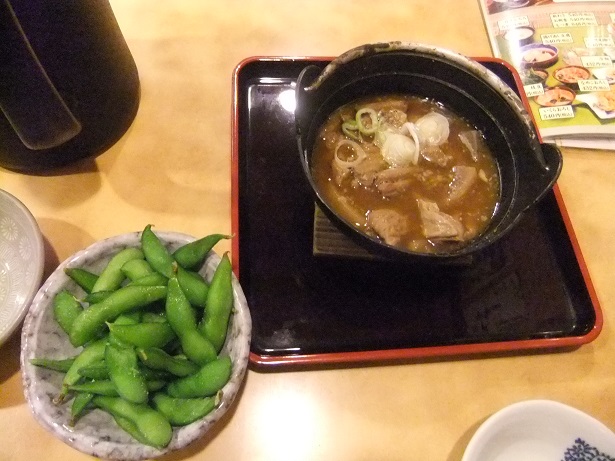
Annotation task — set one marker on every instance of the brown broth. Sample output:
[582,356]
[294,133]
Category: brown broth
[429,181]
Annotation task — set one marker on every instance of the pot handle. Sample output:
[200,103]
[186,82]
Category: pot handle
[304,100]
[31,103]
[535,183]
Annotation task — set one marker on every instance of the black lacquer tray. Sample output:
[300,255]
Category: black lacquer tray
[530,291]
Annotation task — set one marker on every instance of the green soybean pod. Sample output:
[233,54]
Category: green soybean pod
[192,254]
[112,276]
[136,268]
[219,304]
[80,403]
[66,308]
[90,354]
[107,387]
[182,319]
[144,334]
[194,286]
[62,365]
[156,254]
[158,359]
[154,317]
[96,387]
[96,371]
[84,278]
[124,372]
[149,425]
[129,318]
[121,301]
[130,428]
[180,412]
[150,280]
[206,382]
[97,296]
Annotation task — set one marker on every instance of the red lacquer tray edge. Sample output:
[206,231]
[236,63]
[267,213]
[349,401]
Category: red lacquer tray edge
[387,355]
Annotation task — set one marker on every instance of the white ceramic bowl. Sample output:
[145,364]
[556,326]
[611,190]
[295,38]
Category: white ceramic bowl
[22,259]
[96,433]
[541,430]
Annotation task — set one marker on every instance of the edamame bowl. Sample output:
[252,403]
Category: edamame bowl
[96,433]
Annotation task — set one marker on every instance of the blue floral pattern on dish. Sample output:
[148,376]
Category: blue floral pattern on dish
[583,451]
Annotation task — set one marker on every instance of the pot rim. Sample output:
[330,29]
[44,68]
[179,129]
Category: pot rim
[473,66]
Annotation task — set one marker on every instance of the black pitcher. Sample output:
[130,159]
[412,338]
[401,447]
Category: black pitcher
[69,87]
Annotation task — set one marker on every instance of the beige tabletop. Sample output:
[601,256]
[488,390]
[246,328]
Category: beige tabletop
[172,169]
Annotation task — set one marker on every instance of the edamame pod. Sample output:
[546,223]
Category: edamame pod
[96,371]
[130,318]
[92,353]
[97,296]
[120,301]
[219,304]
[181,317]
[80,404]
[85,279]
[155,317]
[150,426]
[192,254]
[66,308]
[97,387]
[157,359]
[150,280]
[130,428]
[124,372]
[206,382]
[62,365]
[112,276]
[194,286]
[156,254]
[136,268]
[180,412]
[107,387]
[145,334]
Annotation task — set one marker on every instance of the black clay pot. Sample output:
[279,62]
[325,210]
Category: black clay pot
[527,167]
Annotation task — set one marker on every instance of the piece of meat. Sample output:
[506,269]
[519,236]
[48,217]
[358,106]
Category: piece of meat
[394,181]
[365,172]
[470,139]
[397,104]
[463,179]
[393,117]
[435,155]
[390,225]
[437,224]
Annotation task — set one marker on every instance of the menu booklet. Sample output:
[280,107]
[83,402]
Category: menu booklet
[564,51]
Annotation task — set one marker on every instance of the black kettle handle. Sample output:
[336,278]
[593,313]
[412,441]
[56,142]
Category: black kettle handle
[30,101]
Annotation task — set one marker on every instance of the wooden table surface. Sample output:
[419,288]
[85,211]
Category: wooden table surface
[172,169]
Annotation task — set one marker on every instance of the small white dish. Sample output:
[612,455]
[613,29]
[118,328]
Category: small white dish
[22,259]
[541,430]
[96,433]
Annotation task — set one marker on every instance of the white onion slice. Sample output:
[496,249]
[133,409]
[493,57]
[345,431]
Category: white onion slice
[398,149]
[359,154]
[433,129]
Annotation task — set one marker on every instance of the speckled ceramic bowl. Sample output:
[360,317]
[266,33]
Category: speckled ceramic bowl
[96,433]
[22,259]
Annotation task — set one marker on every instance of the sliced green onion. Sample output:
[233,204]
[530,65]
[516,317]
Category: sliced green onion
[373,116]
[350,129]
